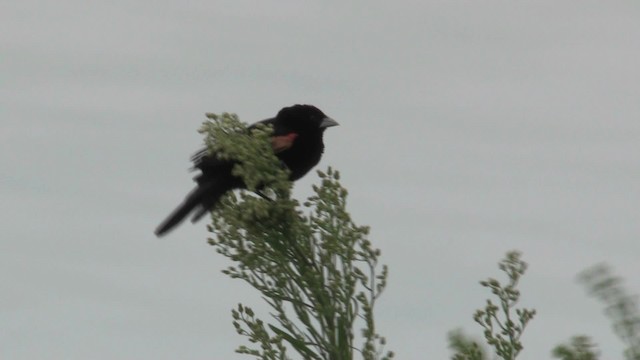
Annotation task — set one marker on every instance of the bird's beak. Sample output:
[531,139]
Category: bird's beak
[328,122]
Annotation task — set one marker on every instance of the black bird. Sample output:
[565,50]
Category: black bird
[296,141]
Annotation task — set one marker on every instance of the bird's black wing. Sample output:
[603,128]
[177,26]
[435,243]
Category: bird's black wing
[279,128]
[203,159]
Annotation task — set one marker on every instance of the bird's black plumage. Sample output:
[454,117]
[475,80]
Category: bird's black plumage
[296,141]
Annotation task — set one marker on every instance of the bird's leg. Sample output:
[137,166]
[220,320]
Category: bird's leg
[263,195]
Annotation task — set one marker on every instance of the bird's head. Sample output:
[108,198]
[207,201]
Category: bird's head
[305,118]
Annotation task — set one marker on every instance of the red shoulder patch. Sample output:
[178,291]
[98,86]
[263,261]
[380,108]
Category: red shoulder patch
[282,143]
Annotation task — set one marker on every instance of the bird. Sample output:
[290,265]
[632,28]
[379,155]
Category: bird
[297,141]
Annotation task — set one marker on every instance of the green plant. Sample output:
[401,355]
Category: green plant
[313,265]
[464,348]
[503,323]
[579,348]
[621,307]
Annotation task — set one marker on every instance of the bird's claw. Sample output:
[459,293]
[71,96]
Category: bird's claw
[263,195]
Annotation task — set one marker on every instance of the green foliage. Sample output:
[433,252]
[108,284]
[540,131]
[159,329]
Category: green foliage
[580,348]
[257,165]
[621,307]
[315,268]
[503,324]
[319,272]
[464,348]
[503,328]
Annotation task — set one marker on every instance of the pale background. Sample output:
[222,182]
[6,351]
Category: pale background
[468,128]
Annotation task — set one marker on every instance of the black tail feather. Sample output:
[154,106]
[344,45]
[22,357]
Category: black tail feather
[193,200]
[199,214]
[209,201]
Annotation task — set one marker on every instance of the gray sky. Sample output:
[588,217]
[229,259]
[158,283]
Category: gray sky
[467,129]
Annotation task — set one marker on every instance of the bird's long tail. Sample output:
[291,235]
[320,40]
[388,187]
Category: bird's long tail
[203,196]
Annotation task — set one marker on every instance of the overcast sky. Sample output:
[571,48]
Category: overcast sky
[468,129]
